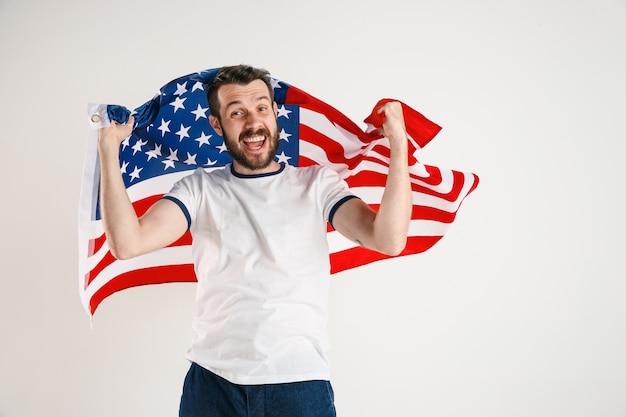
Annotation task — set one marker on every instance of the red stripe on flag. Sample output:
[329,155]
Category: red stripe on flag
[139,277]
[96,244]
[303,161]
[299,97]
[370,178]
[333,149]
[353,257]
[108,259]
[141,206]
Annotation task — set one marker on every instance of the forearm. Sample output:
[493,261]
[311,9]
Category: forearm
[394,214]
[118,215]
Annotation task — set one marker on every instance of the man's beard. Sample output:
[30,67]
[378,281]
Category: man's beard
[255,162]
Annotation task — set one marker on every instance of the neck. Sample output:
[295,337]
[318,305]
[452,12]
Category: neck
[240,169]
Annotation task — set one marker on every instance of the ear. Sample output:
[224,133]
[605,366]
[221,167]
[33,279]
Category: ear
[215,124]
[275,109]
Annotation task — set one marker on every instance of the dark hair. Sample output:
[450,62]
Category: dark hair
[236,74]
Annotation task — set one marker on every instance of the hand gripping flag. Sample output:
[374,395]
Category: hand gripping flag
[172,137]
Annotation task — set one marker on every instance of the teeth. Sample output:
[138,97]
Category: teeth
[254,139]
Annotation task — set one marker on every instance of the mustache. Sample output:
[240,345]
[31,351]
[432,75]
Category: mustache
[250,132]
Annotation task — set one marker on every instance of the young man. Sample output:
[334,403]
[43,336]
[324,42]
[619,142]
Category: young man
[260,252]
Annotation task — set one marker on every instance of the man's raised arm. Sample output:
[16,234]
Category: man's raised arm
[386,230]
[127,235]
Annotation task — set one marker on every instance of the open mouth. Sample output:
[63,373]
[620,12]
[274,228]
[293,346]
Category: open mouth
[254,142]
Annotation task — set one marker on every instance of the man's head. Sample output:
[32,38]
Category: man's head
[243,112]
[236,74]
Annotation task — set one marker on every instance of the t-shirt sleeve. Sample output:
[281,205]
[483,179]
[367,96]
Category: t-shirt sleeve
[335,192]
[183,193]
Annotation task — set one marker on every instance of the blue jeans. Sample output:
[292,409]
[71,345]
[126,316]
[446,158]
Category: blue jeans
[208,395]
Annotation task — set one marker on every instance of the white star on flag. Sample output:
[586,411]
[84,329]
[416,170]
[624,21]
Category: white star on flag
[165,127]
[191,159]
[282,158]
[180,89]
[138,145]
[203,139]
[283,112]
[283,135]
[135,174]
[155,153]
[183,132]
[200,112]
[178,104]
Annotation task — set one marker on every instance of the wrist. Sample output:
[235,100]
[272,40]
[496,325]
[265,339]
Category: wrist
[108,147]
[398,141]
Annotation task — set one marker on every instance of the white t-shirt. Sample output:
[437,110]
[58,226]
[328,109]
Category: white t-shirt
[262,263]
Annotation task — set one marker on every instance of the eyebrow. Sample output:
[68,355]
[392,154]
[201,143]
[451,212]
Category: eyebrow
[235,102]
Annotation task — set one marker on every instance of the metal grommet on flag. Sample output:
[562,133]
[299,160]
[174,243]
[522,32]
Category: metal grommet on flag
[98,116]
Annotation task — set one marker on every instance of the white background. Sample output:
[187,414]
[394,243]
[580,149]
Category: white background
[519,311]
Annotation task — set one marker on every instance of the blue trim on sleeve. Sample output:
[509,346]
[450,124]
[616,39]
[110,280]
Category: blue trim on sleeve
[336,207]
[182,207]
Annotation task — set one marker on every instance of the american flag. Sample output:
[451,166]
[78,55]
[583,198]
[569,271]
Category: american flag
[172,137]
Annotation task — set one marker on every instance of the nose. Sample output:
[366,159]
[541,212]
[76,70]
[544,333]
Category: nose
[252,120]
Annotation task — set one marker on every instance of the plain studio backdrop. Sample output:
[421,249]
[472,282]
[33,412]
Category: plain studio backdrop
[519,311]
